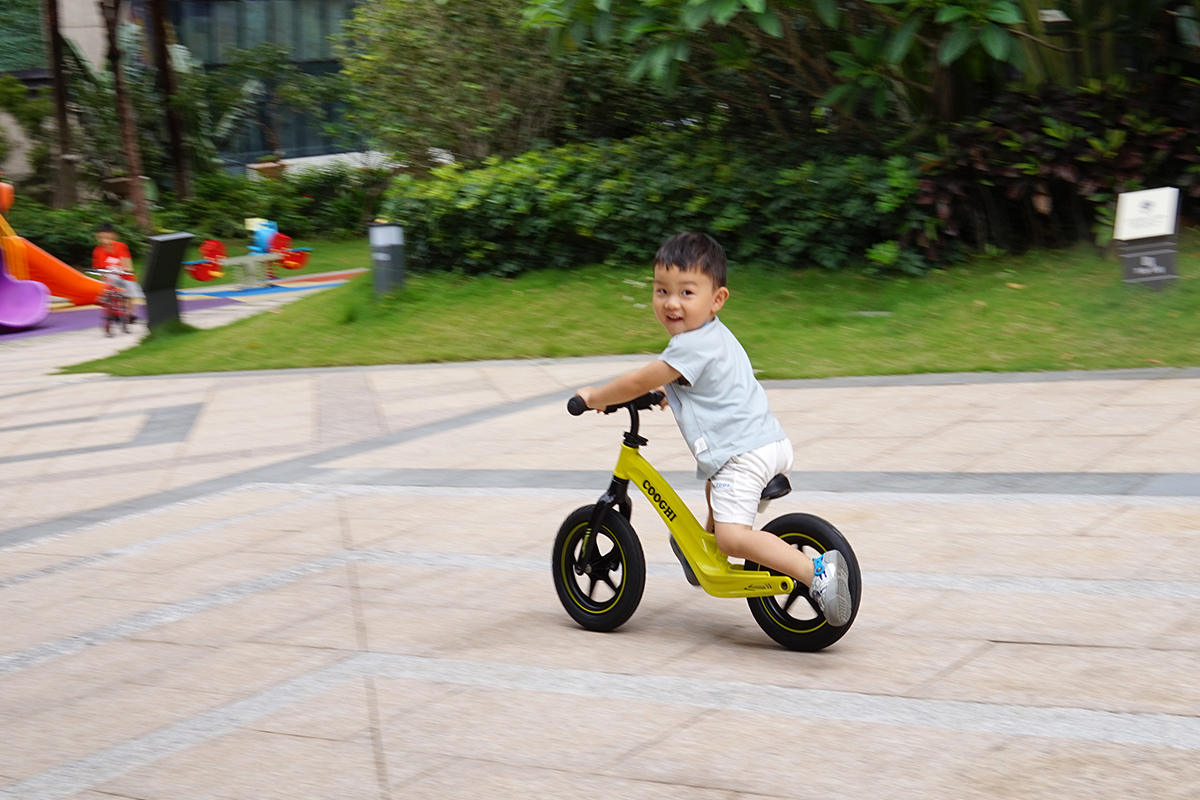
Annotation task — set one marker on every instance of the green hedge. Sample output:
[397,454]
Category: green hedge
[333,201]
[70,234]
[617,201]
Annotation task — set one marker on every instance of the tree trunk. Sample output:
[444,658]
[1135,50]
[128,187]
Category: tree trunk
[111,10]
[157,11]
[65,194]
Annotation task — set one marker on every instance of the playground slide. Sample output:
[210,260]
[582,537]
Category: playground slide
[62,280]
[23,304]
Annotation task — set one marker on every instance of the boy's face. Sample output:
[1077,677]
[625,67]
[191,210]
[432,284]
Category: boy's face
[685,300]
[105,237]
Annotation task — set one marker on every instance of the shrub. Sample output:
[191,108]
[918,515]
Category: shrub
[616,201]
[1045,170]
[69,234]
[333,201]
[218,207]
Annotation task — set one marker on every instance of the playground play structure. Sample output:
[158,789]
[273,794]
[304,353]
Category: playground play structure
[269,249]
[29,276]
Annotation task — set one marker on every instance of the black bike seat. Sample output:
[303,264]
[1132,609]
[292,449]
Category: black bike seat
[776,488]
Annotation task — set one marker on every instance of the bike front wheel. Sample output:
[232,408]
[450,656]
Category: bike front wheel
[793,620]
[599,575]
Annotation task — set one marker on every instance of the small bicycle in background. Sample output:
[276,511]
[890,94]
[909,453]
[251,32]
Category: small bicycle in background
[600,569]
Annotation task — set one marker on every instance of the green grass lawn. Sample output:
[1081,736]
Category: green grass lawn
[1045,310]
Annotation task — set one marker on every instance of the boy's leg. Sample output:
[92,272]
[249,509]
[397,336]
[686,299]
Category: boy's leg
[761,547]
[733,497]
[825,576]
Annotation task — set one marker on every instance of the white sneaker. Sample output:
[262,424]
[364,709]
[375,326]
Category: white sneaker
[831,588]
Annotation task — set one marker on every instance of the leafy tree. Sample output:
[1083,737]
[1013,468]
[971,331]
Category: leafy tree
[30,112]
[64,173]
[905,60]
[951,49]
[167,83]
[465,78]
[110,11]
[767,59]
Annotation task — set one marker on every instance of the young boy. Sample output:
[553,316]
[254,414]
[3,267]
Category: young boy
[112,254]
[722,412]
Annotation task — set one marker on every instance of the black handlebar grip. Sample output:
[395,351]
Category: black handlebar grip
[576,406]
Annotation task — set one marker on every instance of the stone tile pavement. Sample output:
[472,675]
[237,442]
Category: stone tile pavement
[335,584]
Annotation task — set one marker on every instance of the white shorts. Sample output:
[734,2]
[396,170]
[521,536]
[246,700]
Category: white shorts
[132,290]
[737,487]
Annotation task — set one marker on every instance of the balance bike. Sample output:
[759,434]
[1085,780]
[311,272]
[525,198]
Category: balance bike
[600,570]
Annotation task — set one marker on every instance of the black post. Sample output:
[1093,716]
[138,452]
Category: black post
[162,277]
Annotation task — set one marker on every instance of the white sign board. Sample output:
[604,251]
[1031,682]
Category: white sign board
[1151,212]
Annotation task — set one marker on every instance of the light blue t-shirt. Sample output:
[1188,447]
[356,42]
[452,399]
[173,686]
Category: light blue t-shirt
[720,406]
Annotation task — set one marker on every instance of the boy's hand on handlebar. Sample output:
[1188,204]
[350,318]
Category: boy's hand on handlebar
[586,395]
[584,399]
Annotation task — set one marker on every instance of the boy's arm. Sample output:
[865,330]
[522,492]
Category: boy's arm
[630,385]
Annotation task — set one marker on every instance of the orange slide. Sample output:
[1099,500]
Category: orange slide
[28,262]
[61,279]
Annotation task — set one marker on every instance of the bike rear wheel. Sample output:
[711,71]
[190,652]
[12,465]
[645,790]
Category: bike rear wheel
[600,575]
[793,620]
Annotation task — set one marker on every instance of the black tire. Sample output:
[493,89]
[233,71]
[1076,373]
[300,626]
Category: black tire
[793,620]
[604,597]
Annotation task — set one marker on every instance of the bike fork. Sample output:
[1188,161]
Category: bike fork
[617,497]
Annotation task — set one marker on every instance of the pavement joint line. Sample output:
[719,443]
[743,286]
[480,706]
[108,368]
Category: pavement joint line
[190,502]
[105,765]
[149,544]
[301,465]
[295,467]
[163,425]
[1063,722]
[163,615]
[316,492]
[983,483]
[596,488]
[1067,723]
[174,612]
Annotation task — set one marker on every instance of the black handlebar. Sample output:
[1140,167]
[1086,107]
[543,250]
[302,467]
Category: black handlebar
[576,405]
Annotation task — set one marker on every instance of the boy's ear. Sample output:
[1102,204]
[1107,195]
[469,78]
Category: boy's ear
[719,298]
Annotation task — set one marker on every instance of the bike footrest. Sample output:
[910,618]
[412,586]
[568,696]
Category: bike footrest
[687,568]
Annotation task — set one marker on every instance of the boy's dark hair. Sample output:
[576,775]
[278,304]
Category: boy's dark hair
[688,251]
[105,227]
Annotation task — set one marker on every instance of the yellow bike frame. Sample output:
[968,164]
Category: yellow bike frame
[716,574]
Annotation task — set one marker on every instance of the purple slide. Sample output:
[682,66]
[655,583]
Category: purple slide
[23,304]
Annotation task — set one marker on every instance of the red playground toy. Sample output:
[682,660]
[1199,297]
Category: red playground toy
[271,249]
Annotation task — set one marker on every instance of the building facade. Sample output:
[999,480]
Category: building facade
[211,29]
[214,30]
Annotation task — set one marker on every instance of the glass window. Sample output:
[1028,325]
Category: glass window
[194,26]
[339,10]
[312,44]
[225,30]
[283,23]
[257,27]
